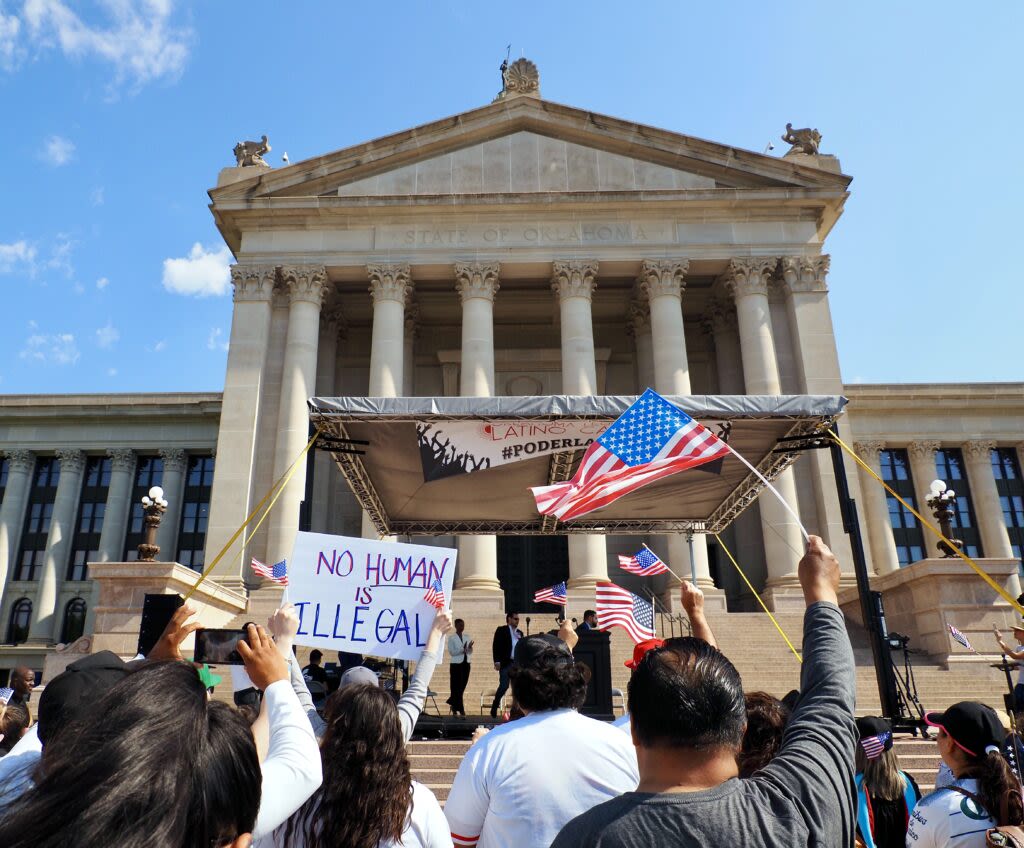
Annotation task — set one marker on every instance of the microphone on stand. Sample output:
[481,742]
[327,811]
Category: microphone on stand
[527,625]
[575,623]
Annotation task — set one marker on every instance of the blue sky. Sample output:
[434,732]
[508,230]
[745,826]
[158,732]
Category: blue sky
[115,117]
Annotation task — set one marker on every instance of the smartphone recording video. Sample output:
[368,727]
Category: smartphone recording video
[218,647]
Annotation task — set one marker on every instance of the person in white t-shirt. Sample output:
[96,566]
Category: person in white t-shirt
[1018,654]
[508,792]
[985,793]
[368,796]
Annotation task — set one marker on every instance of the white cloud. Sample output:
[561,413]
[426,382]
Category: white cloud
[10,51]
[213,341]
[18,255]
[106,337]
[158,347]
[96,196]
[55,349]
[138,40]
[58,151]
[204,272]
[102,283]
[60,255]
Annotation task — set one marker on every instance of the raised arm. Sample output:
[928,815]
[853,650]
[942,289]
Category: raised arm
[693,602]
[410,705]
[284,624]
[1016,655]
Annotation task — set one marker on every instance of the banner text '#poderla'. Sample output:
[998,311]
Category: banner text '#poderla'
[382,570]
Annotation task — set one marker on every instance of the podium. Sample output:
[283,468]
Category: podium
[594,649]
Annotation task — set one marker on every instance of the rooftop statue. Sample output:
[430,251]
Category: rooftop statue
[802,141]
[251,153]
[521,77]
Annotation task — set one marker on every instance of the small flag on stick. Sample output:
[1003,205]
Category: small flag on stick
[874,746]
[278,574]
[435,594]
[644,561]
[960,638]
[5,695]
[618,607]
[551,595]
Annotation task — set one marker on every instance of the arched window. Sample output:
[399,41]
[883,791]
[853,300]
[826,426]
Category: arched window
[21,615]
[74,621]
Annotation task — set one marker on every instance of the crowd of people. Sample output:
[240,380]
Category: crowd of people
[138,753]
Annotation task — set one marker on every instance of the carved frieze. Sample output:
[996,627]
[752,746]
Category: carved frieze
[660,277]
[805,273]
[477,279]
[253,282]
[305,282]
[390,282]
[750,276]
[122,459]
[574,278]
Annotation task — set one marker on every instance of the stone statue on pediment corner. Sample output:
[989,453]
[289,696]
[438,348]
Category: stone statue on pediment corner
[250,153]
[519,78]
[803,140]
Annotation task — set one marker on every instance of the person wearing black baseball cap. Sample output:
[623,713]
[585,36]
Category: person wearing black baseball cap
[885,794]
[985,792]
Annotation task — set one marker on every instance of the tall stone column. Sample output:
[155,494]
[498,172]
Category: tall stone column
[747,282]
[922,469]
[412,331]
[639,327]
[173,484]
[477,284]
[232,495]
[720,323]
[391,287]
[662,284]
[331,327]
[574,281]
[115,518]
[817,360]
[995,540]
[305,284]
[20,465]
[45,624]
[876,511]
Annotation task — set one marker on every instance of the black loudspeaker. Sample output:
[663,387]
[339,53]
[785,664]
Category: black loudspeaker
[594,650]
[157,610]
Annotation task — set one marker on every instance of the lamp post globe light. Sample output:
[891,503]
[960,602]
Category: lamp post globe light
[939,499]
[154,506]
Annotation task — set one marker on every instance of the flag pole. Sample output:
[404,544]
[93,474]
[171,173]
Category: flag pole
[693,565]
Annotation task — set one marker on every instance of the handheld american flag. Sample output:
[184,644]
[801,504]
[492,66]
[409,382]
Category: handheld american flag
[278,574]
[644,561]
[435,594]
[618,607]
[650,440]
[874,746]
[960,638]
[6,694]
[551,595]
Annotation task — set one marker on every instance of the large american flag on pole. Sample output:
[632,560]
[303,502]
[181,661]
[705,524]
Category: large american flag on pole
[618,607]
[644,561]
[650,440]
[552,595]
[278,573]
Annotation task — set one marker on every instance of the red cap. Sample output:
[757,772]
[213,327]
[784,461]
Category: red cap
[640,650]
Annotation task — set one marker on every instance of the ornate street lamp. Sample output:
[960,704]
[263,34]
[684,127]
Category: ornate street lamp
[154,506]
[939,500]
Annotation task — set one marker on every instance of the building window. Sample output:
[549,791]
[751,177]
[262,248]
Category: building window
[4,469]
[21,616]
[1010,486]
[37,518]
[949,466]
[195,512]
[905,529]
[74,621]
[91,510]
[149,472]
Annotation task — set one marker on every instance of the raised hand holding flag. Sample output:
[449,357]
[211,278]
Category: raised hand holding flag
[435,594]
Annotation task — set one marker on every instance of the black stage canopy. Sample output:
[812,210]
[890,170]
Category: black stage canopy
[387,476]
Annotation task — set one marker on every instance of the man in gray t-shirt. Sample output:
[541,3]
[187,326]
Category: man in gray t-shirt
[687,715]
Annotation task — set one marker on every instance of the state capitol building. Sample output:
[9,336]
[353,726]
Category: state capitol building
[521,248]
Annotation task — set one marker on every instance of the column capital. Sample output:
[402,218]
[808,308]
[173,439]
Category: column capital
[477,279]
[869,451]
[663,277]
[253,282]
[122,459]
[638,319]
[175,459]
[390,282]
[805,273]
[574,278]
[412,320]
[749,275]
[72,461]
[979,449]
[305,283]
[720,315]
[20,460]
[923,449]
[332,321]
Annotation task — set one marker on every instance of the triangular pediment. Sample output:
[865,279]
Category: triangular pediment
[528,146]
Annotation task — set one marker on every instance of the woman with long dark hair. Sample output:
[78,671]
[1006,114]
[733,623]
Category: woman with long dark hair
[985,792]
[368,797]
[155,764]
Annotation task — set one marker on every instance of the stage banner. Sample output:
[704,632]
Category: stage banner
[461,447]
[364,596]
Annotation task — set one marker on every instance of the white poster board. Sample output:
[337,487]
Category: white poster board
[364,596]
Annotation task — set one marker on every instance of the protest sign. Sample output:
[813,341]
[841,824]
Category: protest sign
[366,596]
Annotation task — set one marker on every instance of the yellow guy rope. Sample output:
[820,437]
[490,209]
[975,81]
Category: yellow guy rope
[275,490]
[999,589]
[778,626]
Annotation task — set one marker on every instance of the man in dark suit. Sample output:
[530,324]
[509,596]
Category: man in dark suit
[502,649]
[589,622]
